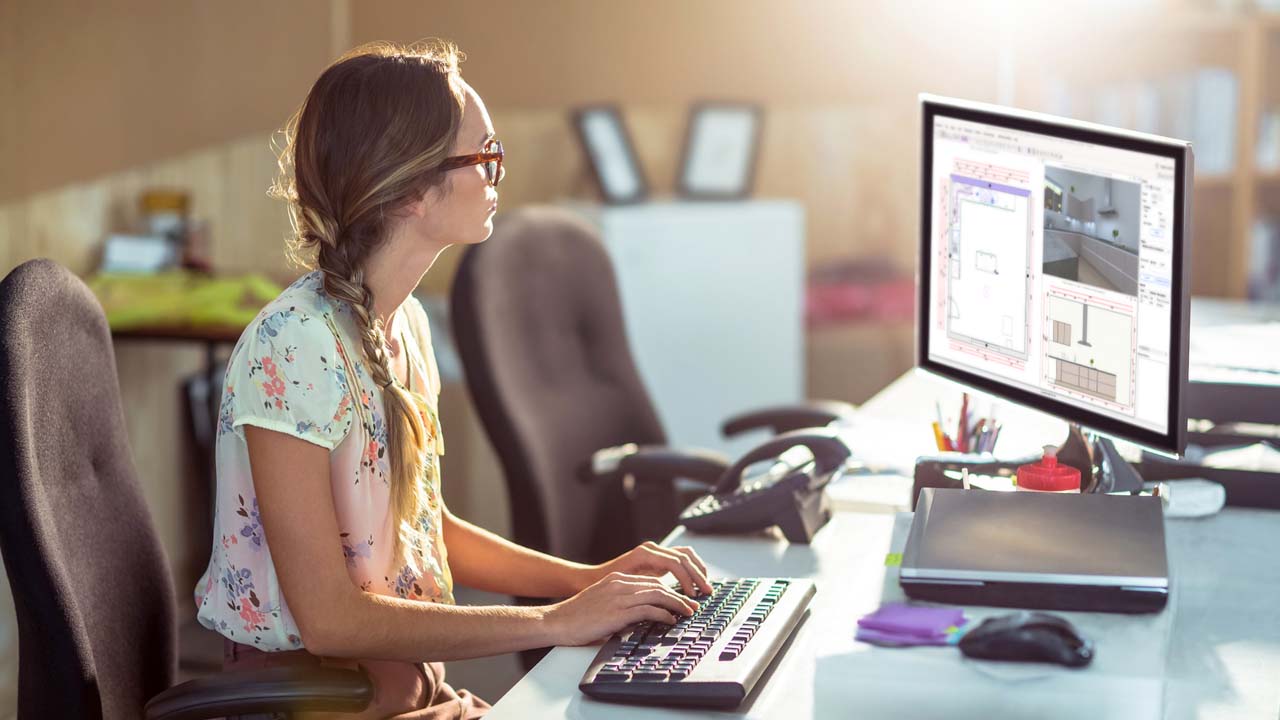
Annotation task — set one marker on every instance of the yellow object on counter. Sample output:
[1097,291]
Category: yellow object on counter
[181,299]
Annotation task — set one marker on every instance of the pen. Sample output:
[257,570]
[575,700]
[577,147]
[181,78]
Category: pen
[995,435]
[962,427]
[937,436]
[993,427]
[975,437]
[984,436]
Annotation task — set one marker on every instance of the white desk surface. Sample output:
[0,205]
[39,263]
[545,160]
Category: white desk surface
[1214,652]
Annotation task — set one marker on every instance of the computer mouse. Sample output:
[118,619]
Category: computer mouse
[1027,636]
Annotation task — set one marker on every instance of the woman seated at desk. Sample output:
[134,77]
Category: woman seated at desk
[332,543]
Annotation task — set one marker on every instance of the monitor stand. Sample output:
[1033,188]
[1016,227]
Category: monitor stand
[1096,458]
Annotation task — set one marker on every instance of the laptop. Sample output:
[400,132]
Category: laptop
[1050,551]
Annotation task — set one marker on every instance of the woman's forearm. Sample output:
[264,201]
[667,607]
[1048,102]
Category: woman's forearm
[390,628]
[482,560]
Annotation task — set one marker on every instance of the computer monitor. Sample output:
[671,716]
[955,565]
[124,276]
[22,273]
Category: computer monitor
[1052,270]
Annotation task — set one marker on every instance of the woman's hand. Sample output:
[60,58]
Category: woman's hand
[611,604]
[652,559]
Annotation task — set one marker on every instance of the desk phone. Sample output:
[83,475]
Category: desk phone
[781,483]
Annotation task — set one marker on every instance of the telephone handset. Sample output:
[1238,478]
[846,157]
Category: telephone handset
[788,493]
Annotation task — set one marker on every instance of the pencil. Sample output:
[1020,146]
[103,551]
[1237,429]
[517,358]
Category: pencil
[937,436]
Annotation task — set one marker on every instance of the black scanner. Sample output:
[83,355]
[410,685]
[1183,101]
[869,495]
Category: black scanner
[1028,637]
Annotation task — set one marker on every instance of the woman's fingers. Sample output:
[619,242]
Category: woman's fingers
[692,555]
[668,561]
[640,613]
[666,599]
[639,585]
[697,570]
[692,579]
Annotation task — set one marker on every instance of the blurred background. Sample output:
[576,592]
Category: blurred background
[124,120]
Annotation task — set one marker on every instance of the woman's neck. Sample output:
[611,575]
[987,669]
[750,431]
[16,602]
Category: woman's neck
[393,272]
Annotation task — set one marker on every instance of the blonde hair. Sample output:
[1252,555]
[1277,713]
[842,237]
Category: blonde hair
[368,139]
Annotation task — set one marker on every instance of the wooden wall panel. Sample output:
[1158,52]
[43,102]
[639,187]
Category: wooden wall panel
[103,86]
[554,54]
[12,230]
[8,101]
[250,231]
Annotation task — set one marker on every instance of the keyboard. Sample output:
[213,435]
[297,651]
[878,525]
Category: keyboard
[710,659]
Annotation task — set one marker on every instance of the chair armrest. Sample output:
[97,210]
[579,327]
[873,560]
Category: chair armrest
[656,463]
[782,418]
[278,689]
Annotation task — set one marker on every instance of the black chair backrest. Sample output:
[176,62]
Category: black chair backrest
[91,586]
[539,328]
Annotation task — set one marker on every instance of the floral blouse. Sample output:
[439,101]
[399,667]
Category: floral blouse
[298,369]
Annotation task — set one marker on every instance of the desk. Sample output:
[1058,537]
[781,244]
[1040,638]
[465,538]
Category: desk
[1214,652]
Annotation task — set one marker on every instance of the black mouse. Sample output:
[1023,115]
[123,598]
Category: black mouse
[1028,637]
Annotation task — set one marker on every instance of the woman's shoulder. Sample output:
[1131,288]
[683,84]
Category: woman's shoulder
[296,311]
[419,321]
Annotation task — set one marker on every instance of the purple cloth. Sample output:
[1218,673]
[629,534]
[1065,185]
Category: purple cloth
[898,624]
[901,619]
[876,637]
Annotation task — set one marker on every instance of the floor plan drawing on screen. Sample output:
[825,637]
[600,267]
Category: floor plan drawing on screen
[989,244]
[1089,350]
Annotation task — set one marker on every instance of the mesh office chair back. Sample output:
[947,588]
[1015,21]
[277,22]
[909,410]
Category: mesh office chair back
[91,587]
[539,328]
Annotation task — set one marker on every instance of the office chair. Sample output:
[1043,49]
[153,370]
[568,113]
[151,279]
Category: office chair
[91,584]
[539,329]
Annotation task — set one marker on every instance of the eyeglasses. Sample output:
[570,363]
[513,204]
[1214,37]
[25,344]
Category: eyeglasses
[490,158]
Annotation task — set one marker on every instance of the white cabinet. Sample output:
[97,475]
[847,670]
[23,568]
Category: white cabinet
[713,297]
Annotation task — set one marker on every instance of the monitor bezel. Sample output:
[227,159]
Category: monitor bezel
[1171,442]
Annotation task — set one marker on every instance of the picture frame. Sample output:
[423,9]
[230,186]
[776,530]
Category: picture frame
[610,154]
[721,149]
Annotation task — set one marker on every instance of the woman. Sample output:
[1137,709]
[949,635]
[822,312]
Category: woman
[331,534]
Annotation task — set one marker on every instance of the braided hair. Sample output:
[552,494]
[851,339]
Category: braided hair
[368,139]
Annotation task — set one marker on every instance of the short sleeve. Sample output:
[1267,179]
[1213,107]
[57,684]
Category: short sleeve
[289,375]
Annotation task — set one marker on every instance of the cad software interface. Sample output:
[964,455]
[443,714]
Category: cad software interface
[1052,267]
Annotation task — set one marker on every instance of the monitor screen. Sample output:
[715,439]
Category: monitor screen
[1052,269]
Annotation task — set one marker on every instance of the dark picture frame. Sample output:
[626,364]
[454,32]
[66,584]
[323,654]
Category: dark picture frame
[610,154]
[721,150]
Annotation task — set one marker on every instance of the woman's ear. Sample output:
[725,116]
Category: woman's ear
[414,210]
[419,207]
[425,203]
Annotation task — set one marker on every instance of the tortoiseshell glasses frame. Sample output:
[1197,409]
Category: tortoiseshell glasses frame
[490,158]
